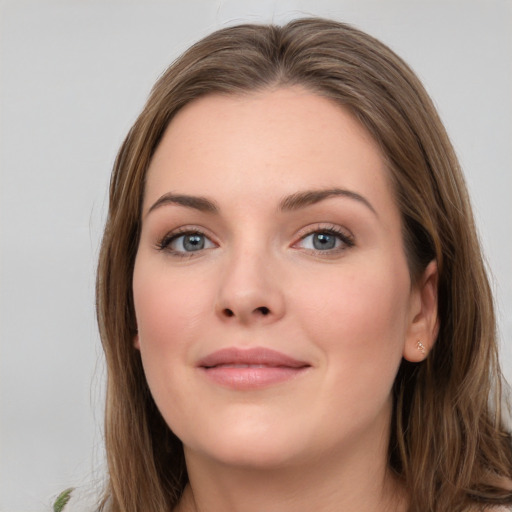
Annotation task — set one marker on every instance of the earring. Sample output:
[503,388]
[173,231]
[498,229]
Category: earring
[421,347]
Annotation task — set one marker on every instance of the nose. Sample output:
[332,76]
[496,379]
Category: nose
[250,290]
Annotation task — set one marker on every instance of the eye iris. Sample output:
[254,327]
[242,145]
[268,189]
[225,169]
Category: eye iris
[323,241]
[193,242]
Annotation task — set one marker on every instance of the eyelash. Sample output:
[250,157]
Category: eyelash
[164,243]
[347,240]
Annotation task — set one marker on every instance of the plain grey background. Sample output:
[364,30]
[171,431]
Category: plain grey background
[73,76]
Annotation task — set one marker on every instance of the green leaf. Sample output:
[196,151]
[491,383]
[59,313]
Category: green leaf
[62,499]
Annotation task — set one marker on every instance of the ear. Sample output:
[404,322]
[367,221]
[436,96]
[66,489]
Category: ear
[423,326]
[136,341]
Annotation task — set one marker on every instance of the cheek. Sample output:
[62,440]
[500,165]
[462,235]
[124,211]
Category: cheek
[358,323]
[169,313]
[163,301]
[358,318]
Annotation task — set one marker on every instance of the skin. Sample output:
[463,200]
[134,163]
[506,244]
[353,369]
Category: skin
[317,440]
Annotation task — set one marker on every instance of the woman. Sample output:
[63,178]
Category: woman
[291,295]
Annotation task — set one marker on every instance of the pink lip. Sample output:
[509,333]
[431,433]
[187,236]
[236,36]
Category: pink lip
[253,368]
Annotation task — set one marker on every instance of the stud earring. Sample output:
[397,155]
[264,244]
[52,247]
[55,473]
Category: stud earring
[421,347]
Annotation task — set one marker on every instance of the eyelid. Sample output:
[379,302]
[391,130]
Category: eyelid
[163,243]
[343,234]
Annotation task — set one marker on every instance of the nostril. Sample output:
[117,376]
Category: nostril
[261,311]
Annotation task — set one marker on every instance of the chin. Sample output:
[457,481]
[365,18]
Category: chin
[253,458]
[248,449]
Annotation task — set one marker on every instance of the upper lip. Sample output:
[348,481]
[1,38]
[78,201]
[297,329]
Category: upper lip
[250,356]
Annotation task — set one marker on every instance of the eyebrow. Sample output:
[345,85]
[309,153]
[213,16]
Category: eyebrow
[292,202]
[310,197]
[196,202]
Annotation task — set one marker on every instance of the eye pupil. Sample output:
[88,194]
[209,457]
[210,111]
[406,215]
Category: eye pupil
[324,241]
[193,242]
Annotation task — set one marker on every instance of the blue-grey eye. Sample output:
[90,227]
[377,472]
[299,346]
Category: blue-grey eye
[190,242]
[193,242]
[324,241]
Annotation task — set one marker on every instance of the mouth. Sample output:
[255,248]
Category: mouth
[247,369]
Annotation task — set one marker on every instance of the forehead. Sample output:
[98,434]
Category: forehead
[269,143]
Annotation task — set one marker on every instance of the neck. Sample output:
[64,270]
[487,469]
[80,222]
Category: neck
[354,481]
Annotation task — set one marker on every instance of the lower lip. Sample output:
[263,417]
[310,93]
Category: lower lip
[252,377]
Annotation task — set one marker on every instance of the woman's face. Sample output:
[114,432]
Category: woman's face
[272,293]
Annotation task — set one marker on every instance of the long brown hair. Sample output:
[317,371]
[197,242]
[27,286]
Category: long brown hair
[448,444]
